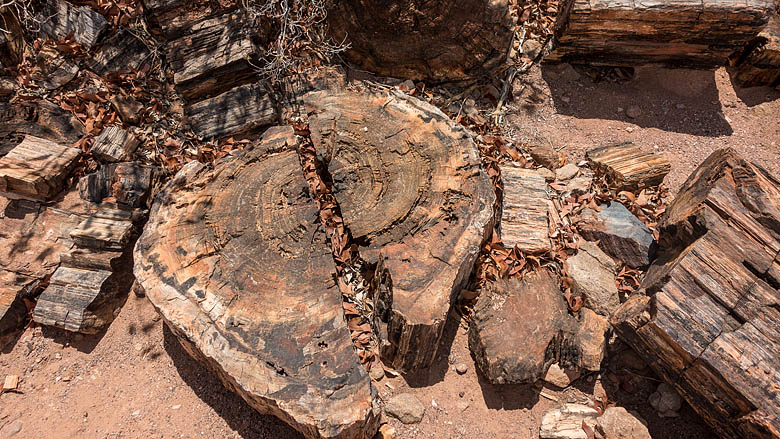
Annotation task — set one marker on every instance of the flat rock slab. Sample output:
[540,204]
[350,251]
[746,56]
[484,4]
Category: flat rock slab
[710,325]
[237,111]
[628,167]
[759,63]
[115,144]
[412,193]
[683,33]
[235,261]
[619,233]
[36,169]
[524,216]
[593,277]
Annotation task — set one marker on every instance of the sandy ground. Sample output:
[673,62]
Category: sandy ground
[135,381]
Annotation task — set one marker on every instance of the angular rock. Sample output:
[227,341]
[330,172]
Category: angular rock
[545,155]
[115,144]
[414,39]
[581,184]
[406,408]
[709,326]
[413,195]
[665,401]
[593,275]
[54,69]
[123,51]
[129,109]
[566,422]
[759,63]
[524,216]
[237,264]
[36,169]
[678,34]
[127,183]
[618,423]
[241,110]
[587,346]
[102,233]
[567,172]
[627,167]
[517,326]
[560,377]
[171,19]
[619,233]
[60,19]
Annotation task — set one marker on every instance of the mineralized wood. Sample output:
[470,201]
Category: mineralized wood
[40,118]
[36,169]
[238,111]
[122,52]
[127,183]
[436,40]
[628,167]
[13,311]
[73,300]
[412,193]
[115,144]
[97,232]
[681,33]
[172,19]
[759,63]
[710,325]
[237,264]
[525,207]
[54,70]
[60,19]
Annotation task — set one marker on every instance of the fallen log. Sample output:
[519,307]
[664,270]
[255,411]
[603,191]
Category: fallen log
[431,40]
[759,63]
[709,323]
[677,34]
[236,263]
[241,110]
[413,195]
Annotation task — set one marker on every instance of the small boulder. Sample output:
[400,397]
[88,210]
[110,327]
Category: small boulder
[567,172]
[589,343]
[593,275]
[406,408]
[566,422]
[544,155]
[559,377]
[620,234]
[665,401]
[618,423]
[581,184]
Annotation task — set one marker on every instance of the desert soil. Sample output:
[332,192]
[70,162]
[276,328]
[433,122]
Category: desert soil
[135,381]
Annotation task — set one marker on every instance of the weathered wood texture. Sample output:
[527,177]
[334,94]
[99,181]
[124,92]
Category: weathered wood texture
[214,56]
[524,211]
[711,323]
[759,63]
[98,232]
[628,167]
[436,40]
[127,183]
[13,311]
[36,169]
[39,118]
[170,19]
[412,193]
[123,51]
[235,261]
[70,301]
[687,33]
[55,69]
[12,42]
[115,144]
[60,19]
[241,110]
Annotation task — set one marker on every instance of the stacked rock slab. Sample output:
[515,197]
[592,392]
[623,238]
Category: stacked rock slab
[681,33]
[237,264]
[709,324]
[36,169]
[759,63]
[436,40]
[413,195]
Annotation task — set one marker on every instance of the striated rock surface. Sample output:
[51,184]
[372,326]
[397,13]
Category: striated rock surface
[628,167]
[524,211]
[619,233]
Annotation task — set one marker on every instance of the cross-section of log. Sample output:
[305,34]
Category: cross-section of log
[687,33]
[235,261]
[629,167]
[115,144]
[711,323]
[60,19]
[36,169]
[439,40]
[412,192]
[524,213]
[238,111]
[759,63]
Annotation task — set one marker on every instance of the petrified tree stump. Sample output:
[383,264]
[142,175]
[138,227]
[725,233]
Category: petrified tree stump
[438,40]
[413,195]
[710,323]
[235,261]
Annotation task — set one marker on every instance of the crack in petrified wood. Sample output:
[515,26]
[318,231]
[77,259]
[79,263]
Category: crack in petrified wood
[234,260]
[412,193]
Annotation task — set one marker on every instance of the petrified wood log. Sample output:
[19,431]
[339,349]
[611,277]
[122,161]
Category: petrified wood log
[437,40]
[759,63]
[524,211]
[235,261]
[172,18]
[71,300]
[687,33]
[127,183]
[628,167]
[413,194]
[39,118]
[123,51]
[60,19]
[36,169]
[115,144]
[238,111]
[711,323]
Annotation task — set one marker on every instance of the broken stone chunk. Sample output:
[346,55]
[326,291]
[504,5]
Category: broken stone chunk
[593,276]
[544,155]
[618,423]
[115,144]
[665,401]
[628,167]
[406,408]
[560,377]
[524,215]
[619,233]
[566,422]
[588,344]
[60,19]
[567,172]
[36,169]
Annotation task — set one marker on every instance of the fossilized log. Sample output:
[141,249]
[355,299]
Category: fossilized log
[235,261]
[628,167]
[172,18]
[115,144]
[412,193]
[759,63]
[524,211]
[711,323]
[687,33]
[60,19]
[39,118]
[123,51]
[438,40]
[36,169]
[238,111]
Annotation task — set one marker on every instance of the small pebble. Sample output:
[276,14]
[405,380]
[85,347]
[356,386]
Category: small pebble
[461,368]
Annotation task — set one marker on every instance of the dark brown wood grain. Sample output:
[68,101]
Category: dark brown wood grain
[241,110]
[759,63]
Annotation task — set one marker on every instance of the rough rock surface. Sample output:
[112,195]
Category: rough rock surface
[619,233]
[618,423]
[759,63]
[560,377]
[524,221]
[545,155]
[593,276]
[235,261]
[589,343]
[434,40]
[406,408]
[566,422]
[413,195]
[628,167]
[36,169]
[665,401]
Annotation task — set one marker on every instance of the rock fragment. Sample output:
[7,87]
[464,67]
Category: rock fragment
[115,144]
[566,422]
[593,276]
[36,169]
[618,423]
[619,233]
[665,401]
[524,221]
[406,408]
[628,167]
[567,172]
[545,155]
